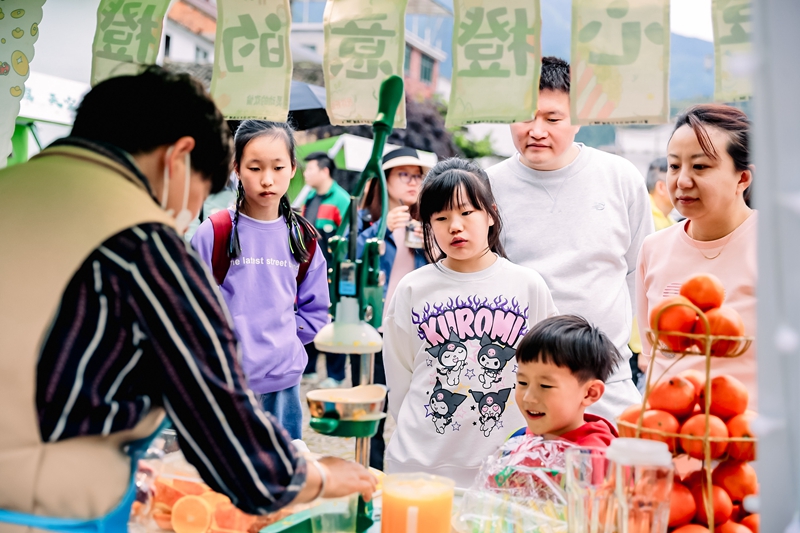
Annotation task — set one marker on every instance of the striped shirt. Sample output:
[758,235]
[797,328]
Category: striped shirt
[141,324]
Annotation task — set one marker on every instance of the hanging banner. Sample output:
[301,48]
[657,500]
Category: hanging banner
[364,45]
[128,35]
[252,59]
[733,50]
[19,30]
[496,61]
[620,62]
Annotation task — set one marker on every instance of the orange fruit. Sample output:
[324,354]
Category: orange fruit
[729,397]
[676,318]
[691,528]
[739,426]
[166,494]
[738,478]
[214,498]
[189,487]
[696,427]
[227,516]
[163,520]
[191,514]
[660,421]
[731,527]
[721,503]
[697,378]
[676,396]
[705,291]
[722,321]
[752,522]
[694,478]
[682,506]
[631,414]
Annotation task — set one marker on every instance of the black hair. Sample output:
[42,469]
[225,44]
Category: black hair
[443,189]
[139,113]
[654,173]
[570,341]
[301,231]
[555,75]
[323,161]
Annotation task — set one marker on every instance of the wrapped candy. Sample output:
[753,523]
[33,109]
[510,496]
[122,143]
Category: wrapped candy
[520,489]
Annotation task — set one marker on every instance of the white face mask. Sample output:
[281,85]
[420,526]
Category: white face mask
[185,216]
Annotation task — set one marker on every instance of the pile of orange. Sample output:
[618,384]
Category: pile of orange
[191,507]
[706,292]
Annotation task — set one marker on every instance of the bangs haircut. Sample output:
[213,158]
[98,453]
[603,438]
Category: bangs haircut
[570,341]
[445,188]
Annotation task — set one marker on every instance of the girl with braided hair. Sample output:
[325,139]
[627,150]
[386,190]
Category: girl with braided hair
[275,311]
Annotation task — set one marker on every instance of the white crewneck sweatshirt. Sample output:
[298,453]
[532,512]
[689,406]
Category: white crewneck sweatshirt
[581,227]
[449,343]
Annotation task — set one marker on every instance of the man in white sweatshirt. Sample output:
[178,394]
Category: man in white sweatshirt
[577,216]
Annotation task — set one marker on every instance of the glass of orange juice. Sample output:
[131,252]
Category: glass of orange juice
[416,503]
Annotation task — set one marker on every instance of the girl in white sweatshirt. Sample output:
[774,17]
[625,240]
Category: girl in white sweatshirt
[451,330]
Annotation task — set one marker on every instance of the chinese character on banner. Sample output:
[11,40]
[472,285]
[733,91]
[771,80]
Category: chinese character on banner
[252,59]
[496,50]
[128,35]
[19,30]
[364,45]
[620,62]
[733,50]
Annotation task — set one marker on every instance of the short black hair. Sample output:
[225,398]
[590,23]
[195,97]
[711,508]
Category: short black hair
[555,75]
[570,341]
[323,161]
[139,113]
[654,173]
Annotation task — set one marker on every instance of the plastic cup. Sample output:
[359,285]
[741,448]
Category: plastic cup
[590,491]
[416,503]
[412,240]
[335,515]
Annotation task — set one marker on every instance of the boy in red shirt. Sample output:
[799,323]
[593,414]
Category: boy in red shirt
[563,363]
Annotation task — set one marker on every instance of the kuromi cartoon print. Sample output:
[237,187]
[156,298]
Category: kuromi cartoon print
[443,405]
[493,358]
[491,406]
[452,356]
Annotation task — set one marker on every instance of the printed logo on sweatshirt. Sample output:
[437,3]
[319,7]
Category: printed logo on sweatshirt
[471,343]
[269,261]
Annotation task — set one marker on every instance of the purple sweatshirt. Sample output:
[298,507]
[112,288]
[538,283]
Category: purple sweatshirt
[260,290]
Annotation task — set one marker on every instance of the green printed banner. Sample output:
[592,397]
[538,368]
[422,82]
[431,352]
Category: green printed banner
[620,62]
[19,30]
[733,49]
[364,45]
[252,59]
[496,61]
[128,35]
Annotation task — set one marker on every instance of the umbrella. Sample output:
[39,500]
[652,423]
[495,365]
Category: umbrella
[307,106]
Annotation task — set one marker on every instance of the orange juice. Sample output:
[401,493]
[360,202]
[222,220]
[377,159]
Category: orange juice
[416,503]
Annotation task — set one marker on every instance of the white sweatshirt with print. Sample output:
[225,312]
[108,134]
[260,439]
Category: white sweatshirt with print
[449,341]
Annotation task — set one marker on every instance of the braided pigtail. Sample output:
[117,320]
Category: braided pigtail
[301,231]
[234,248]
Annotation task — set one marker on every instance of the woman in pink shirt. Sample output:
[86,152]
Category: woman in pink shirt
[708,177]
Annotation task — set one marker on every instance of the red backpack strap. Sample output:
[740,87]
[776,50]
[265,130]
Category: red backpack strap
[220,260]
[303,270]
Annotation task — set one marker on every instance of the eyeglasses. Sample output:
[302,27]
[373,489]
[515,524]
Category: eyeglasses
[407,178]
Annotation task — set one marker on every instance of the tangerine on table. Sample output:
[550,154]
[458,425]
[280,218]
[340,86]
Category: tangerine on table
[697,378]
[679,318]
[630,415]
[191,514]
[721,321]
[720,501]
[705,291]
[739,426]
[676,396]
[729,396]
[691,528]
[696,427]
[682,506]
[731,527]
[738,479]
[660,421]
[694,478]
[752,522]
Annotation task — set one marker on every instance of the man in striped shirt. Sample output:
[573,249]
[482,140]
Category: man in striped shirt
[140,325]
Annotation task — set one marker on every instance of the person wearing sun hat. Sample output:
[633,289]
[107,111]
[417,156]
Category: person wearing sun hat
[404,174]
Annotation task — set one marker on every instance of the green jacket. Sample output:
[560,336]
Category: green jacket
[330,214]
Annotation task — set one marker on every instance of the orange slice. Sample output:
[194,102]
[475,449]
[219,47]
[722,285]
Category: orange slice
[167,494]
[191,514]
[189,487]
[215,498]
[164,520]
